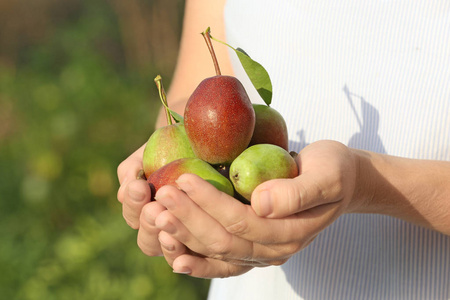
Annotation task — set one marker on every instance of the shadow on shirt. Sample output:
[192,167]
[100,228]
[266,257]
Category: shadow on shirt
[368,256]
[366,139]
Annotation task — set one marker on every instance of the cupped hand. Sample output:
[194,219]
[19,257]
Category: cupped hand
[133,193]
[327,175]
[225,237]
[138,211]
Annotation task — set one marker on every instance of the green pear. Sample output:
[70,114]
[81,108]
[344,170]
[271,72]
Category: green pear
[260,163]
[170,172]
[270,127]
[167,143]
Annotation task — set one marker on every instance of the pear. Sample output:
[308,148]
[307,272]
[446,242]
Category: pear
[167,143]
[170,172]
[270,127]
[260,163]
[219,117]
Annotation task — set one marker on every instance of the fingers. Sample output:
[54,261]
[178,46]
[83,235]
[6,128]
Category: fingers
[184,260]
[133,193]
[170,247]
[203,232]
[226,229]
[189,224]
[327,175]
[147,238]
[205,267]
[240,219]
[279,198]
[154,242]
[136,194]
[226,236]
[130,167]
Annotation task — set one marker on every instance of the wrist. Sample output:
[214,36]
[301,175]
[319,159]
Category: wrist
[413,190]
[364,193]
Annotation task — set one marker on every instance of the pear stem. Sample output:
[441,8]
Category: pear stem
[207,37]
[163,97]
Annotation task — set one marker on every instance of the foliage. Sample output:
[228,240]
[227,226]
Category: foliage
[69,114]
[255,71]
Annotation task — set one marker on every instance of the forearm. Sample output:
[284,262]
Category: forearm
[414,190]
[194,62]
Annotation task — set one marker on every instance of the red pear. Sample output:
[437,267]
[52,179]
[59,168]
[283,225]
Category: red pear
[270,127]
[170,173]
[219,117]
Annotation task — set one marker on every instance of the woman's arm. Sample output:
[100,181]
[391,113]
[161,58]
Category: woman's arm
[414,190]
[194,60]
[194,64]
[287,214]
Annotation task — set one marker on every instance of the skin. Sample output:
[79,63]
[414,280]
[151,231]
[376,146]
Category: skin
[285,214]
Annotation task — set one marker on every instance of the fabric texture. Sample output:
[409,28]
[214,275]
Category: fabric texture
[373,75]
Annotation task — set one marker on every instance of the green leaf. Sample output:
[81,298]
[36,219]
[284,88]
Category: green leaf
[257,74]
[176,116]
[255,71]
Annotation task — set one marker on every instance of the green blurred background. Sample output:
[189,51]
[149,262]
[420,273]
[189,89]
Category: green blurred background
[76,98]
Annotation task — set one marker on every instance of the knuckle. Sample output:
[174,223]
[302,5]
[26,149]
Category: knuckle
[133,225]
[238,228]
[148,211]
[121,194]
[338,186]
[131,222]
[295,195]
[319,194]
[287,250]
[149,251]
[218,250]
[278,262]
[340,178]
[292,249]
[148,243]
[229,271]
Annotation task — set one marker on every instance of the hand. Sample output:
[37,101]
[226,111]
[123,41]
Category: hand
[134,194]
[225,237]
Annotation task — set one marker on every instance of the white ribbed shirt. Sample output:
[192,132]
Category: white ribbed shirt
[374,75]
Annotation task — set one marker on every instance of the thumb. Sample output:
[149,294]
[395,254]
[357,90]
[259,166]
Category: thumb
[280,198]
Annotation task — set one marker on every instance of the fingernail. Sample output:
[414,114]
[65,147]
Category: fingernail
[183,270]
[184,185]
[136,195]
[265,204]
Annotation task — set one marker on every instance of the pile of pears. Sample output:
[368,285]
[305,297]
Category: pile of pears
[223,138]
